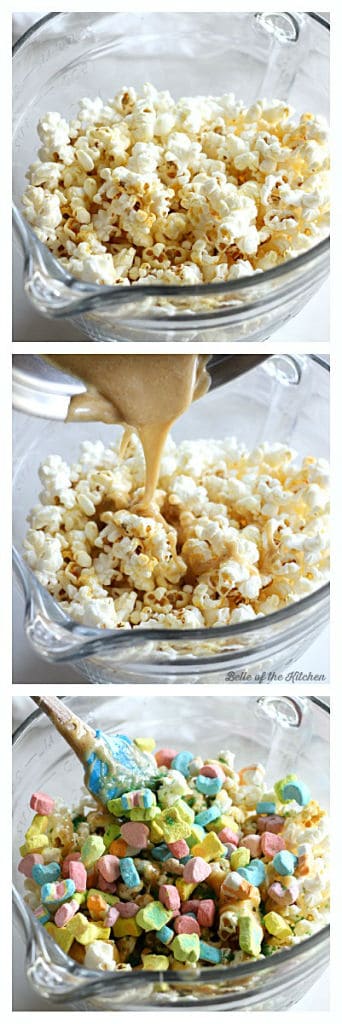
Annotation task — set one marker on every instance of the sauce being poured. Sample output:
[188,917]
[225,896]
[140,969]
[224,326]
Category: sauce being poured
[146,393]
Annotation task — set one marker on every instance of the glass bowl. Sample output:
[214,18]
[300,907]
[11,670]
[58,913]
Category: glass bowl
[67,56]
[284,399]
[280,733]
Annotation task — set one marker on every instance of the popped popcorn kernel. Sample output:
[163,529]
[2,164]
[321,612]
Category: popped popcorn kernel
[241,534]
[144,189]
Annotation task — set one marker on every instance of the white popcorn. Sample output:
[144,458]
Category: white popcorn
[99,956]
[43,211]
[254,775]
[53,131]
[198,564]
[43,554]
[142,189]
[172,787]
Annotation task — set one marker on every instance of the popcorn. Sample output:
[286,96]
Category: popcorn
[143,189]
[241,534]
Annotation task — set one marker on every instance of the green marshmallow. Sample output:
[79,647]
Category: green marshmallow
[111,900]
[81,897]
[115,807]
[186,948]
[250,935]
[143,813]
[112,832]
[92,849]
[153,916]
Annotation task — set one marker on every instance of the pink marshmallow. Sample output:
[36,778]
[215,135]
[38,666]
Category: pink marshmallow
[185,925]
[179,849]
[111,917]
[169,896]
[271,844]
[164,756]
[64,914]
[105,886]
[282,895]
[136,834]
[228,836]
[206,913]
[212,771]
[78,874]
[109,867]
[190,906]
[42,803]
[65,866]
[60,890]
[252,842]
[196,870]
[27,863]
[129,909]
[270,823]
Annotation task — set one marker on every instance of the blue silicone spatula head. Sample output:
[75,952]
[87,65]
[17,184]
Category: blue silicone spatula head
[113,763]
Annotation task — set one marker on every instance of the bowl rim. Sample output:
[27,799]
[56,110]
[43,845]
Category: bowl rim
[243,284]
[210,974]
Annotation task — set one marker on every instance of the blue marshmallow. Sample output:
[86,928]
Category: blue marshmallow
[165,935]
[42,915]
[49,895]
[285,862]
[266,807]
[161,852]
[210,814]
[254,872]
[129,872]
[181,762]
[207,785]
[42,873]
[296,791]
[210,953]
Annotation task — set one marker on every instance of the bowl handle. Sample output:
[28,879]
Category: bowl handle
[52,291]
[65,981]
[285,40]
[57,638]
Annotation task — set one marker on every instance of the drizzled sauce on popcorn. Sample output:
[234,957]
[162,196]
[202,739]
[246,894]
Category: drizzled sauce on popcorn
[142,392]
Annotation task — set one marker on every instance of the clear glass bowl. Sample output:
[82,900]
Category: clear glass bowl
[280,733]
[284,399]
[67,56]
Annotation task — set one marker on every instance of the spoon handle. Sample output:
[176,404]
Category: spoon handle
[77,733]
